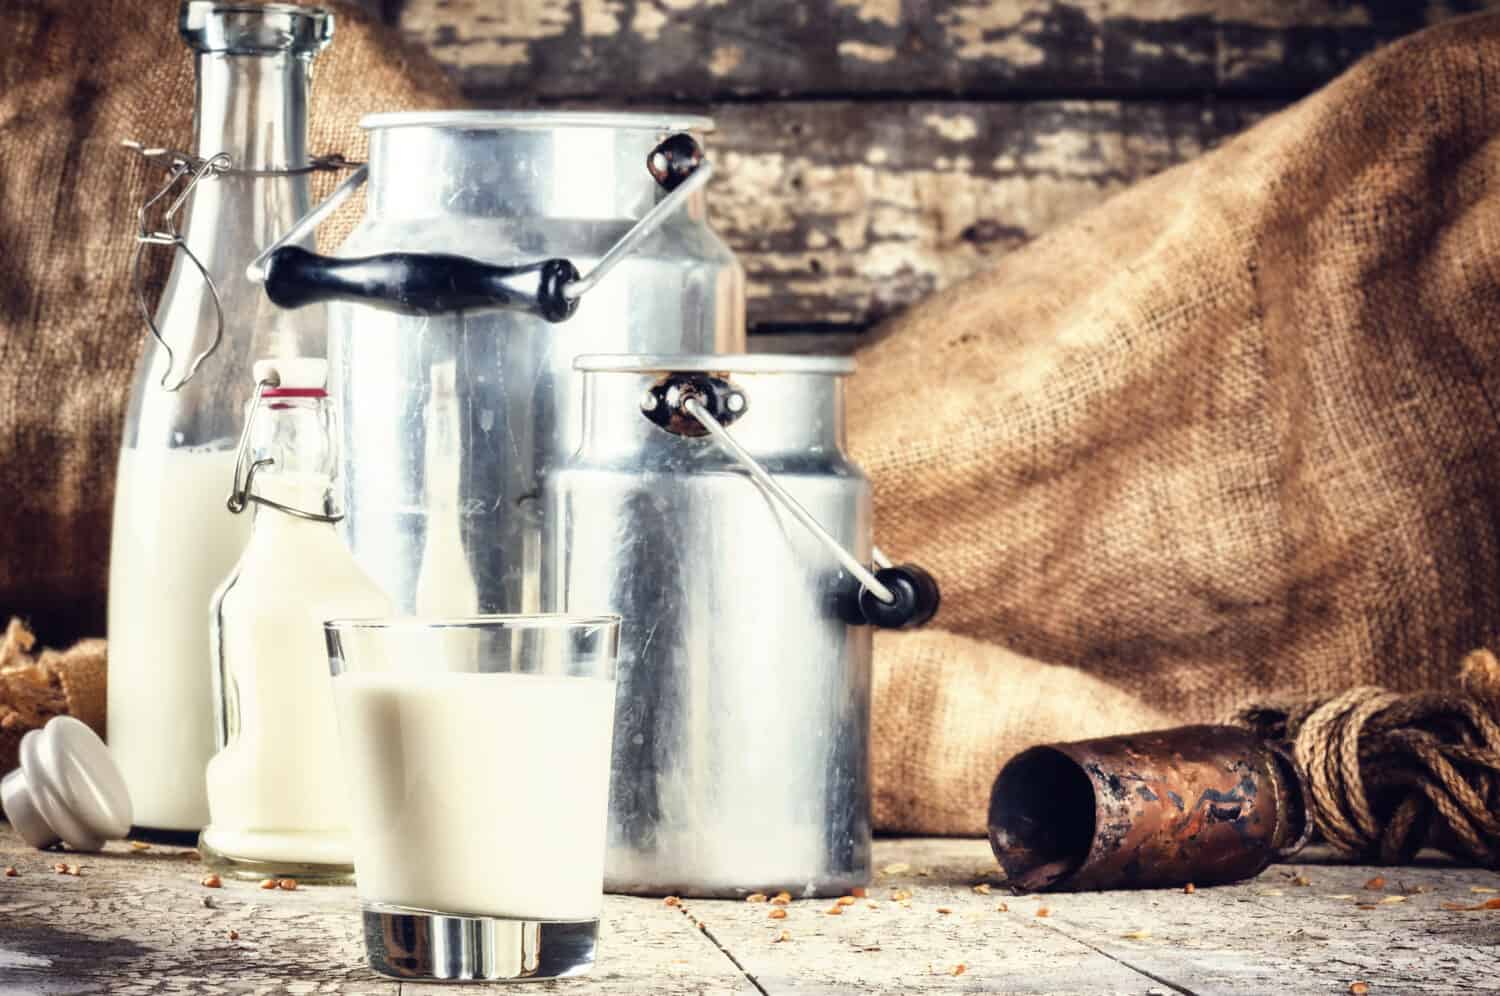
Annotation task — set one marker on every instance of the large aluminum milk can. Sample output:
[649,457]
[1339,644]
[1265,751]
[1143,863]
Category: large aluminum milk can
[710,504]
[456,309]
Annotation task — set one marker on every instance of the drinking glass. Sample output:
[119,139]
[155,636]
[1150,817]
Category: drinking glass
[477,755]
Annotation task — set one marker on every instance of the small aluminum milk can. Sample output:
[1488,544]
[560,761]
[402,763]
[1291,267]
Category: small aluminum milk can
[712,506]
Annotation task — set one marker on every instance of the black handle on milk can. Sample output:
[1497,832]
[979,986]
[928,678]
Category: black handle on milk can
[420,283]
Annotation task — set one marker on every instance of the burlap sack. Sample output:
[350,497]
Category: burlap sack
[1231,435]
[75,80]
[36,687]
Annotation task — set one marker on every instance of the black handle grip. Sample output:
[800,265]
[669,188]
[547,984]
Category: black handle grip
[917,598]
[420,283]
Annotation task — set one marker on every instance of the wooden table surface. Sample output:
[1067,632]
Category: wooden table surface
[140,922]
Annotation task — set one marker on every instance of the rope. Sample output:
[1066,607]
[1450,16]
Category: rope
[1389,773]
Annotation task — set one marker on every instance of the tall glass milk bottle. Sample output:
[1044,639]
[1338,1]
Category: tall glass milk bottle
[276,793]
[174,540]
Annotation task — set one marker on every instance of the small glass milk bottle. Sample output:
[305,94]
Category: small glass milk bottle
[275,792]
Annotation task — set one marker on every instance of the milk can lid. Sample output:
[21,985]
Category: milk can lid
[732,363]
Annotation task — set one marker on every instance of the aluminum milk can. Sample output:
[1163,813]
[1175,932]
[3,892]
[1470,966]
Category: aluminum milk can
[693,508]
[495,249]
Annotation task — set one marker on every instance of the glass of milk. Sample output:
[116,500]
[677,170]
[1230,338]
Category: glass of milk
[477,755]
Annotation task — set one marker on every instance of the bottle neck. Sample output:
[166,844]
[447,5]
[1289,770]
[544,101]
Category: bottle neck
[253,108]
[297,489]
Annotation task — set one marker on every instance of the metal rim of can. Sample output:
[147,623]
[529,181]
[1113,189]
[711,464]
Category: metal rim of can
[482,120]
[729,363]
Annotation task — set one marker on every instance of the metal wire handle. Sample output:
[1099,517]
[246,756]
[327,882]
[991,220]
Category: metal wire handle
[167,232]
[629,242]
[240,493]
[851,563]
[641,230]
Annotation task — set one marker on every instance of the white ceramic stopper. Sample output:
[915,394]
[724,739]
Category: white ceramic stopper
[67,789]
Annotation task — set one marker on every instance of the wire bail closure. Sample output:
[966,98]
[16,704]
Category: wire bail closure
[184,172]
[240,493]
[714,404]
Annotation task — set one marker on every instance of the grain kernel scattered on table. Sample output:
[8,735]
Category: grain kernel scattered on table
[1359,988]
[983,888]
[944,909]
[1488,904]
[1190,888]
[844,901]
[835,910]
[234,935]
[268,883]
[785,935]
[139,845]
[1044,911]
[1002,908]
[10,871]
[781,898]
[60,868]
[1375,884]
[900,894]
[756,897]
[859,891]
[289,884]
[777,914]
[211,881]
[672,901]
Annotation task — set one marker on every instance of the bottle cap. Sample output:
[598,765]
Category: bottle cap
[67,789]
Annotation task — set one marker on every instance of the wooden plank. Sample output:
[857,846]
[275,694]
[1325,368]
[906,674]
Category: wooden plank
[1267,935]
[136,922]
[807,343]
[913,949]
[844,212]
[629,50]
[1275,935]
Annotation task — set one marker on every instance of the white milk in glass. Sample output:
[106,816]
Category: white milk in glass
[479,794]
[172,544]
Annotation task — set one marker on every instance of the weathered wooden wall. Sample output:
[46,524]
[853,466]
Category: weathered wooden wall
[873,151]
